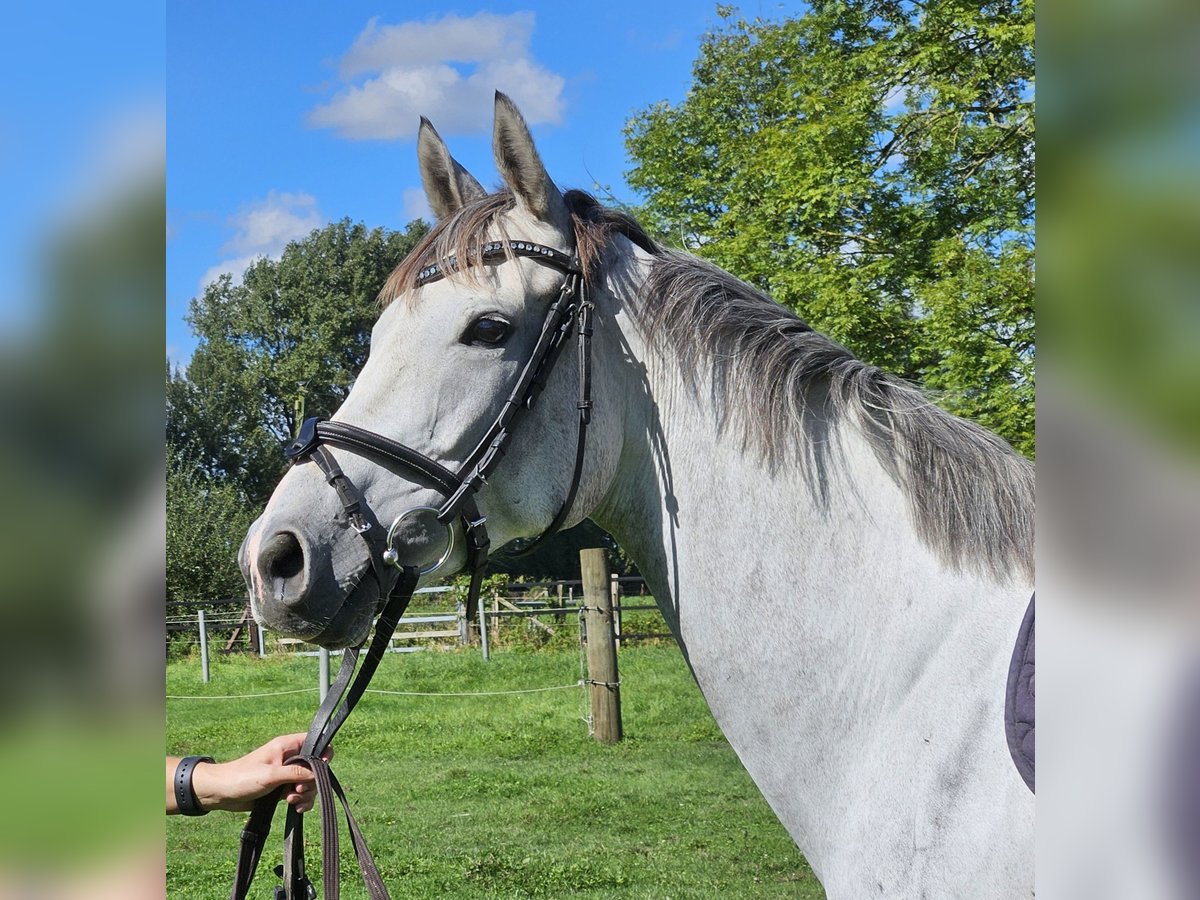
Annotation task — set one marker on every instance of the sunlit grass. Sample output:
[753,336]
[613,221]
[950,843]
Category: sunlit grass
[500,796]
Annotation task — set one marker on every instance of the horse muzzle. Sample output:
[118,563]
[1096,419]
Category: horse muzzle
[300,586]
[327,591]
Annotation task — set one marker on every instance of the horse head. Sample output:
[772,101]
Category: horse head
[463,316]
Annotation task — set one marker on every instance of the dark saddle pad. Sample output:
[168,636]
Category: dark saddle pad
[1019,706]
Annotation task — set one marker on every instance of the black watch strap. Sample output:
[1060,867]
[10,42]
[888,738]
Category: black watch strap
[185,796]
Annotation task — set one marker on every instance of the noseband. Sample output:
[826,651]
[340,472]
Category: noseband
[570,311]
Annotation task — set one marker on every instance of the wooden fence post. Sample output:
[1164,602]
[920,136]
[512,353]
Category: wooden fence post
[323,671]
[616,607]
[471,617]
[203,646]
[483,629]
[601,648]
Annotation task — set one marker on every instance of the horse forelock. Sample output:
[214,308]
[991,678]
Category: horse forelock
[452,237]
[593,226]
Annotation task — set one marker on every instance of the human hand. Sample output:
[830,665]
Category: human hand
[235,785]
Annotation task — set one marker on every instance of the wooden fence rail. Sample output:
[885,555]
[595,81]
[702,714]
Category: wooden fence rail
[559,603]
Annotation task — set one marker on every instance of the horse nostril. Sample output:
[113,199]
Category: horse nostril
[282,556]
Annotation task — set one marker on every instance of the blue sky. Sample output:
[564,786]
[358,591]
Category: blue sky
[81,121]
[282,117]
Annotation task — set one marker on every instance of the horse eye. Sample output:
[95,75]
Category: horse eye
[486,330]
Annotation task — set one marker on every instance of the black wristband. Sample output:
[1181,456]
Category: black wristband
[185,796]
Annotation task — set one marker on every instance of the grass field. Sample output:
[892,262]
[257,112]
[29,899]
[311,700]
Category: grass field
[501,796]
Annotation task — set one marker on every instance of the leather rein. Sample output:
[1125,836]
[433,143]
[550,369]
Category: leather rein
[570,312]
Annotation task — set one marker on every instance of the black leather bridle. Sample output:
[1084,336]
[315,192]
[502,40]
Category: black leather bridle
[570,312]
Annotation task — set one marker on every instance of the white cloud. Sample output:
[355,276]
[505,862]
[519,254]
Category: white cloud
[235,267]
[267,225]
[481,36]
[447,69]
[263,229]
[416,205]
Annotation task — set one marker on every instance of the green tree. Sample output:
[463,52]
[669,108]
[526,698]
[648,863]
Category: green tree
[294,331]
[869,164]
[206,520]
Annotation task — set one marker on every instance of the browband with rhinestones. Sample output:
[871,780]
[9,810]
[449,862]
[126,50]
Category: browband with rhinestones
[496,251]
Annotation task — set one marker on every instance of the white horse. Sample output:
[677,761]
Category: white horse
[844,565]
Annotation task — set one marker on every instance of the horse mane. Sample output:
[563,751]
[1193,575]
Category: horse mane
[970,495]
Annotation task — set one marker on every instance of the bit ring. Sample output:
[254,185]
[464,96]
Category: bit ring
[392,558]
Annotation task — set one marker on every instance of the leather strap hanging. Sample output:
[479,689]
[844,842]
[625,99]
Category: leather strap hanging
[333,711]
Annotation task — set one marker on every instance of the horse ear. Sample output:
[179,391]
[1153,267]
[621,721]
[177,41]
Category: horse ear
[519,164]
[448,185]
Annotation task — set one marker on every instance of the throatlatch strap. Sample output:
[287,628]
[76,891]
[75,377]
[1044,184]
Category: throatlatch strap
[585,417]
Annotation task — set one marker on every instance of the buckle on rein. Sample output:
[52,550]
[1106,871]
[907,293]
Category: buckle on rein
[310,889]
